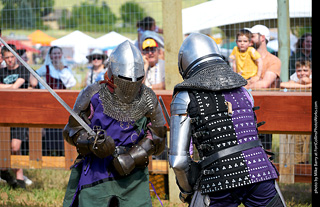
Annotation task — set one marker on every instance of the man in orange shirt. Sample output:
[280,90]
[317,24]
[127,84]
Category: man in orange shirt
[270,77]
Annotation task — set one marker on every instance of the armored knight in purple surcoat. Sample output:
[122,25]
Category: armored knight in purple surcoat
[111,169]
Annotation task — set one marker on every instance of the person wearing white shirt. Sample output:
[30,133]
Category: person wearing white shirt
[55,71]
[153,65]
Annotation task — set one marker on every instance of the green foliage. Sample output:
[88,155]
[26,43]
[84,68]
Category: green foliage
[89,17]
[24,14]
[131,12]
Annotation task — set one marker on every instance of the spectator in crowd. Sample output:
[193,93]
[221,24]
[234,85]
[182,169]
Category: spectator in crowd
[153,66]
[55,70]
[302,78]
[2,62]
[97,59]
[158,38]
[147,24]
[303,50]
[246,60]
[23,54]
[14,76]
[58,76]
[270,77]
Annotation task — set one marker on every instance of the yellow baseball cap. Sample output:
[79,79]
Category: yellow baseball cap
[149,43]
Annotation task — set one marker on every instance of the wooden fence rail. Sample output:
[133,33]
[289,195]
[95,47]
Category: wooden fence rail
[284,113]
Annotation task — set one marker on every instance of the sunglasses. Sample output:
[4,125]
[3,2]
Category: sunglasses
[149,49]
[96,58]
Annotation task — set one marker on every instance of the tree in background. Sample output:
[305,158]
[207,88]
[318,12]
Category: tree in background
[89,17]
[24,14]
[131,13]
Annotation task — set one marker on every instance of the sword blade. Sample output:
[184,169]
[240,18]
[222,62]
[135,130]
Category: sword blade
[53,93]
[166,114]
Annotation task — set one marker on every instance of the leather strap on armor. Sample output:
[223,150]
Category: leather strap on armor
[228,151]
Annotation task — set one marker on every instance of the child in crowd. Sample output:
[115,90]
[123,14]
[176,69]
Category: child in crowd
[245,59]
[302,78]
[146,24]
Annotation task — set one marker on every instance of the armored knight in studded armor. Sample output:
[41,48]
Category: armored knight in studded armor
[213,109]
[111,169]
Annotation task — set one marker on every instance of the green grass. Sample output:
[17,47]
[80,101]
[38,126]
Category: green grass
[49,187]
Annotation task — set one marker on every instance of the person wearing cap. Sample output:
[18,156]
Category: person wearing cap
[270,77]
[96,58]
[153,65]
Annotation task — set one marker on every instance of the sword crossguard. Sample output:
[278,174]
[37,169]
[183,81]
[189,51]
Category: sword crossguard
[99,132]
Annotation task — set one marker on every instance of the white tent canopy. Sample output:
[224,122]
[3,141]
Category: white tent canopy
[225,12]
[109,40]
[79,42]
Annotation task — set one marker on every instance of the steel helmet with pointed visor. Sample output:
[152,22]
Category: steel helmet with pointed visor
[126,70]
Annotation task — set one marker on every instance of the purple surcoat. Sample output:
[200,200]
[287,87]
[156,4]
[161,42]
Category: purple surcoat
[96,170]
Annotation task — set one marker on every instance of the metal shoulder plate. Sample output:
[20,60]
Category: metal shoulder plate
[179,104]
[157,127]
[155,113]
[81,107]
[84,97]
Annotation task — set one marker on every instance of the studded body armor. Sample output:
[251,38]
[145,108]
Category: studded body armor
[215,128]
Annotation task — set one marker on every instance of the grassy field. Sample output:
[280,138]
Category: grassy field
[49,186]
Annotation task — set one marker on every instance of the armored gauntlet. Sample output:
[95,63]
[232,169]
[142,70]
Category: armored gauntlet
[137,156]
[101,145]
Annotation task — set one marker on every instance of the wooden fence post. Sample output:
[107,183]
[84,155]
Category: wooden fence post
[173,37]
[286,158]
[35,147]
[70,154]
[5,147]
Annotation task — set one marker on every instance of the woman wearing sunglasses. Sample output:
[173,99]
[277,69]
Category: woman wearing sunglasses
[96,59]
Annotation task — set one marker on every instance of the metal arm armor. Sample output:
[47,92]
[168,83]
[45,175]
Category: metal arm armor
[180,136]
